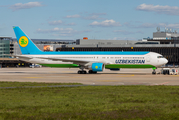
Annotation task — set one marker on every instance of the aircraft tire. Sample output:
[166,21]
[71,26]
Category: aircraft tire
[81,72]
[153,72]
[92,72]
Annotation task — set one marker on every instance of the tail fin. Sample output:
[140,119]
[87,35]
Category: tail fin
[25,43]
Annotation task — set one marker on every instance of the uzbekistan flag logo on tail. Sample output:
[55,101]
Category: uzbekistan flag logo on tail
[23,41]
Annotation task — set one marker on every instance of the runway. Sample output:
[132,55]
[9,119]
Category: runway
[66,75]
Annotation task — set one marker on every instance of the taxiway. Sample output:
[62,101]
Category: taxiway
[66,75]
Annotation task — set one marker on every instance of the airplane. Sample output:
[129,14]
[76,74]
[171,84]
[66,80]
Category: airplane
[94,61]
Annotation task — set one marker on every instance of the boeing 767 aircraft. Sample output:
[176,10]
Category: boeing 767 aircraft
[94,61]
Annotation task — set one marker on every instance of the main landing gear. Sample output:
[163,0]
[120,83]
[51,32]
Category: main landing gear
[154,72]
[82,71]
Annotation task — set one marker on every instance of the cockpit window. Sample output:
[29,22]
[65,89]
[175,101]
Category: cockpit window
[160,57]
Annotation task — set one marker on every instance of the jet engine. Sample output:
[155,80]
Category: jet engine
[97,67]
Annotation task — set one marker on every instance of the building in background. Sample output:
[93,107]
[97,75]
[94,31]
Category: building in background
[4,46]
[165,37]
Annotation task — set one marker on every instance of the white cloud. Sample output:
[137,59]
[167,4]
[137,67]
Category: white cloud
[93,17]
[71,24]
[56,29]
[98,14]
[169,10]
[55,22]
[148,25]
[154,25]
[176,26]
[124,32]
[106,23]
[28,5]
[124,38]
[59,22]
[61,31]
[128,24]
[73,16]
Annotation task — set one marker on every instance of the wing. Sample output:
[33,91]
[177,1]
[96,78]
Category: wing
[75,61]
[83,62]
[19,56]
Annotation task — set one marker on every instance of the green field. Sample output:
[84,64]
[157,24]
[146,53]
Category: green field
[26,84]
[89,102]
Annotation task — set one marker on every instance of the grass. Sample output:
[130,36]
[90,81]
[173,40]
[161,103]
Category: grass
[26,84]
[90,102]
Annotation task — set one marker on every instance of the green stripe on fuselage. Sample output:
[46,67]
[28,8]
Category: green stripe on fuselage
[61,65]
[106,66]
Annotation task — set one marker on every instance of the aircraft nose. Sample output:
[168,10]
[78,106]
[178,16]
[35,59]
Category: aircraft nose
[165,61]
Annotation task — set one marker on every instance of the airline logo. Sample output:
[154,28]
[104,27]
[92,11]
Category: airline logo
[23,41]
[130,61]
[96,67]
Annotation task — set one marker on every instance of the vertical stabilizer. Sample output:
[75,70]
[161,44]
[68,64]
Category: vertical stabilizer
[25,43]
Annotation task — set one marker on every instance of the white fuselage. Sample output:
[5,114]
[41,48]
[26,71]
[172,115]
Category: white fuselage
[151,58]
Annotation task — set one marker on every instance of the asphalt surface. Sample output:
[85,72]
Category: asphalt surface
[66,75]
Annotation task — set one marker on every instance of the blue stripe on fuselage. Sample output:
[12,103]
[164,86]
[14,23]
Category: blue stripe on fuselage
[89,53]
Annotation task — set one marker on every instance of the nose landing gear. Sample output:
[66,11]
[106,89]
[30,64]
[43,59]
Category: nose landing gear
[154,72]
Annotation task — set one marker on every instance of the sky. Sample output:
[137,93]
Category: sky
[95,19]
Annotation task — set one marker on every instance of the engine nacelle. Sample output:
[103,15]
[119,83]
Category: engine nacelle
[97,66]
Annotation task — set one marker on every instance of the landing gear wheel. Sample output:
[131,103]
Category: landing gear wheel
[92,72]
[153,72]
[81,72]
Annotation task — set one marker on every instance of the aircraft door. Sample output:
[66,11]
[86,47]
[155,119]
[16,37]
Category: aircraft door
[148,58]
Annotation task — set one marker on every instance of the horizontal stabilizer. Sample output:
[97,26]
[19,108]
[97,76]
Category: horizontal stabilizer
[19,56]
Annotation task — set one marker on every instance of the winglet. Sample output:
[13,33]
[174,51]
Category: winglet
[25,43]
